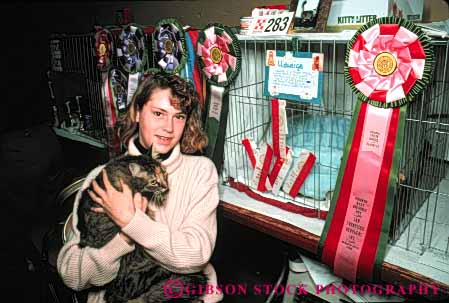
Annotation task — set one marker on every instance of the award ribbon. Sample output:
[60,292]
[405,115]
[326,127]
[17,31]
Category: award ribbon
[250,148]
[299,173]
[260,176]
[170,46]
[279,127]
[193,34]
[131,49]
[219,58]
[110,112]
[388,62]
[103,48]
[280,170]
[253,155]
[118,92]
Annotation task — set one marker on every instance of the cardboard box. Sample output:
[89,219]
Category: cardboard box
[351,14]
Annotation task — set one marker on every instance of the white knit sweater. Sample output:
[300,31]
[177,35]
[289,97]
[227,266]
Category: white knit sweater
[182,236]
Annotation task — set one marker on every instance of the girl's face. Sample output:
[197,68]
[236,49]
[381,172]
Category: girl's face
[160,124]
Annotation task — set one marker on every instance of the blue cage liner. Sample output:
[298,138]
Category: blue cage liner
[325,136]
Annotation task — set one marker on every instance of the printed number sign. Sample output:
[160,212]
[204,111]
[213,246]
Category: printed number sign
[271,24]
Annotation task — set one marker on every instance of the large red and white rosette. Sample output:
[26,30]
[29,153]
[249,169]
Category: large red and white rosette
[388,62]
[219,57]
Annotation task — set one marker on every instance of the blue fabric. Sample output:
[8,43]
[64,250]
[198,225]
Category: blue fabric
[325,136]
[187,71]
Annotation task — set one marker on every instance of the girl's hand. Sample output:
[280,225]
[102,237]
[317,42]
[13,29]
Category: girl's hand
[119,206]
[139,203]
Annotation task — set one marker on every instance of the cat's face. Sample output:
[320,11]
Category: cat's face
[154,180]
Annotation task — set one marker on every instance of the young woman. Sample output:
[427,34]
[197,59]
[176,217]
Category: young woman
[164,114]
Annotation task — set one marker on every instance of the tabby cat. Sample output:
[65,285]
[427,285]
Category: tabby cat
[140,278]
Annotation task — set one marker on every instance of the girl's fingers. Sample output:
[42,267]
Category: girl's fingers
[107,184]
[125,188]
[97,210]
[94,197]
[98,190]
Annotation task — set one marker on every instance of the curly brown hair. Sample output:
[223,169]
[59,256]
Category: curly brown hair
[185,98]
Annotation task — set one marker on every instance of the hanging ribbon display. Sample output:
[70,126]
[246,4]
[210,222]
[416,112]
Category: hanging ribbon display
[103,48]
[196,73]
[388,62]
[219,56]
[170,46]
[118,90]
[131,49]
[112,89]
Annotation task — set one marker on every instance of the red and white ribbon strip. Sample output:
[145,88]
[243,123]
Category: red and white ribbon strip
[299,173]
[362,193]
[250,147]
[260,177]
[280,171]
[279,127]
[277,168]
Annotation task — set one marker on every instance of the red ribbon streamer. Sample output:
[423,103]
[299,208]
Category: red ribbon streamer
[290,207]
[338,218]
[369,248]
[308,165]
[277,168]
[275,126]
[265,169]
[374,228]
[249,151]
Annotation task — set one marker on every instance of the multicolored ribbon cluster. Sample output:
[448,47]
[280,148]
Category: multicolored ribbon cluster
[118,83]
[131,50]
[170,45]
[103,48]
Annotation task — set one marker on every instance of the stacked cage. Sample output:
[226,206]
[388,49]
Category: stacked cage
[75,83]
[422,186]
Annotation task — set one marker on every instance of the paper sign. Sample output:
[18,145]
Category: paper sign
[294,75]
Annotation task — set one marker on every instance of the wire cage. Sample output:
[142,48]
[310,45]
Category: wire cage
[421,202]
[76,82]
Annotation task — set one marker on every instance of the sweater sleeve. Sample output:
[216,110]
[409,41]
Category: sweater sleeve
[81,268]
[188,248]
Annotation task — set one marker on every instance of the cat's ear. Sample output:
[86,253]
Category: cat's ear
[154,154]
[135,169]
